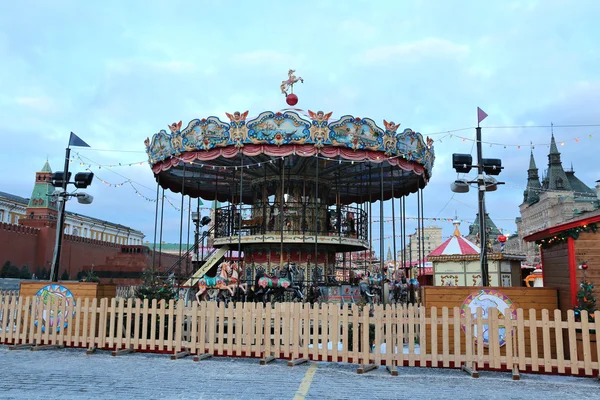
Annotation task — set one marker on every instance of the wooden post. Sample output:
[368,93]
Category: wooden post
[180,354]
[122,351]
[471,370]
[202,356]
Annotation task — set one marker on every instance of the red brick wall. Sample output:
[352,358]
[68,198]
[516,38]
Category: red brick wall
[18,245]
[81,253]
[23,245]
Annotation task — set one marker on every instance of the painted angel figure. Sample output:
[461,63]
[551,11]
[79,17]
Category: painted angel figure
[391,126]
[175,127]
[237,117]
[319,116]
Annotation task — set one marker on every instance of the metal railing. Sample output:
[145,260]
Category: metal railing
[295,218]
[189,253]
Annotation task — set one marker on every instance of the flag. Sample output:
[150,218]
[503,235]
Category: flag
[481,115]
[74,140]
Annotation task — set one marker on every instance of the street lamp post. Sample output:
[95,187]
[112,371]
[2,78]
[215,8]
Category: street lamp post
[61,180]
[481,207]
[462,163]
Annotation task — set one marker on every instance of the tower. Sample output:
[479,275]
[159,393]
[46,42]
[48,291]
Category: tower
[532,192]
[42,208]
[556,179]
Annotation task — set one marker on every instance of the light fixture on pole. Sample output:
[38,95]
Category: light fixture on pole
[463,163]
[60,180]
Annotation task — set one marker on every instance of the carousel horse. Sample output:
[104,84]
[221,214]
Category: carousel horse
[400,292]
[221,282]
[271,285]
[289,83]
[234,281]
[315,294]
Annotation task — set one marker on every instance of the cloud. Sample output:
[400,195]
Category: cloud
[260,57]
[39,104]
[132,66]
[416,51]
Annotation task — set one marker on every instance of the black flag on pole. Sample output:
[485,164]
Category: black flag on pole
[74,140]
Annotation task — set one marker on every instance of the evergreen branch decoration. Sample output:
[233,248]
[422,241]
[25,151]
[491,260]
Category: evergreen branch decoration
[565,235]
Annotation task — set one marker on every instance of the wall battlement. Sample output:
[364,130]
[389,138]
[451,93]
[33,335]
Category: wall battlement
[19,229]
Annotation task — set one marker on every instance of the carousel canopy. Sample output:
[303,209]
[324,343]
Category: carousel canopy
[358,160]
[457,245]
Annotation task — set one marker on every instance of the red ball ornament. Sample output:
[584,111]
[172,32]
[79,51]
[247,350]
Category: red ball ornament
[584,266]
[502,238]
[291,99]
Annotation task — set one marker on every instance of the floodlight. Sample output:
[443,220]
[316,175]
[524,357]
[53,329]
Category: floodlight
[462,163]
[83,179]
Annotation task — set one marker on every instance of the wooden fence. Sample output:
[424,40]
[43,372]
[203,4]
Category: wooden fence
[395,335]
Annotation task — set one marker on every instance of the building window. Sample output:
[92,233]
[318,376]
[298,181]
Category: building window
[559,183]
[1,215]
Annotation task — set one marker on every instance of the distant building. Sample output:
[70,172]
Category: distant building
[41,209]
[492,231]
[28,236]
[559,197]
[431,239]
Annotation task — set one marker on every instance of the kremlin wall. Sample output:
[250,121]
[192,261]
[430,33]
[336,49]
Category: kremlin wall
[28,235]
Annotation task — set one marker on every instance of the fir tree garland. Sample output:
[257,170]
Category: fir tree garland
[566,234]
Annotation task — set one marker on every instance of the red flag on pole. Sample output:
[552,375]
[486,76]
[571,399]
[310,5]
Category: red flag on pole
[481,115]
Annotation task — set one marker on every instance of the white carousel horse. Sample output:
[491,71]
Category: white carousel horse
[289,83]
[220,282]
[234,282]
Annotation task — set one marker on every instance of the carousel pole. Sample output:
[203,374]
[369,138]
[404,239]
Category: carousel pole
[419,234]
[155,223]
[402,233]
[370,223]
[240,225]
[216,215]
[162,215]
[316,212]
[381,233]
[423,235]
[265,200]
[197,234]
[181,222]
[187,246]
[281,199]
[394,223]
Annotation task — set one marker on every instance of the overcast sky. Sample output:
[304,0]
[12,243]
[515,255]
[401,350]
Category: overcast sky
[116,72]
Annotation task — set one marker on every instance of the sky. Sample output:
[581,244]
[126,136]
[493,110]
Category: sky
[117,72]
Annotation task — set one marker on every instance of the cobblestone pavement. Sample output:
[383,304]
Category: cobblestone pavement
[71,374]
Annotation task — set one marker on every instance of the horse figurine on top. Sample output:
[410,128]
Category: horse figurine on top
[226,279]
[272,285]
[289,83]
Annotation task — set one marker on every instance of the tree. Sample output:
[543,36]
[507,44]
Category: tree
[24,273]
[155,287]
[12,271]
[87,276]
[44,274]
[585,300]
[64,276]
[4,270]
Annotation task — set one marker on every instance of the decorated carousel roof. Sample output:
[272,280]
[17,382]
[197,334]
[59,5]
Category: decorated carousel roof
[457,245]
[352,154]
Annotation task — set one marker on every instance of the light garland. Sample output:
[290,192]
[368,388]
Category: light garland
[563,236]
[131,184]
[518,146]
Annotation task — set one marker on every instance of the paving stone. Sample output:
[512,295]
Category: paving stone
[71,374]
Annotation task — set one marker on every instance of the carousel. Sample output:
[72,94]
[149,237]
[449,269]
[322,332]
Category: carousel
[292,189]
